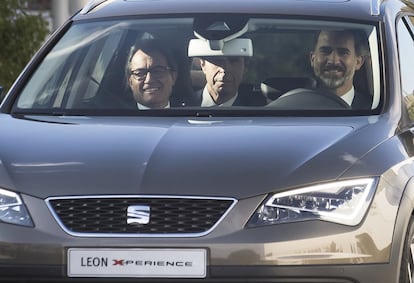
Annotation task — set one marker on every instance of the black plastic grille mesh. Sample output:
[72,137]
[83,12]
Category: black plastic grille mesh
[168,215]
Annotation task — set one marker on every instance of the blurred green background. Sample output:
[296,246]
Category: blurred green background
[21,33]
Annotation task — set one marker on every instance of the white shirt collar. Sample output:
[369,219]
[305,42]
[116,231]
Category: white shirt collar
[349,96]
[143,107]
[207,100]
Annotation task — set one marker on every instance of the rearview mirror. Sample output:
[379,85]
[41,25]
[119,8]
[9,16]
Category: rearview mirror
[235,47]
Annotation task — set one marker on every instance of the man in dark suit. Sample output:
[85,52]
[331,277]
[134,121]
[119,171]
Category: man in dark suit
[223,77]
[336,57]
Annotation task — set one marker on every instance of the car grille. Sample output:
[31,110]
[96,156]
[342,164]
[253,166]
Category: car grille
[168,216]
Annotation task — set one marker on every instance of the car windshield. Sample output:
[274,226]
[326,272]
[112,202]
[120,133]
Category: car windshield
[214,64]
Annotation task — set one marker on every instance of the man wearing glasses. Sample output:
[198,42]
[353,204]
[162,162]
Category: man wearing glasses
[152,75]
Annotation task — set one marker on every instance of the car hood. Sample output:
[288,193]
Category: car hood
[45,156]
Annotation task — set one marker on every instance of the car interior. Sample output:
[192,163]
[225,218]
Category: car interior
[95,75]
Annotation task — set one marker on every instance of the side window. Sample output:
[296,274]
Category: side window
[91,70]
[406,51]
[73,71]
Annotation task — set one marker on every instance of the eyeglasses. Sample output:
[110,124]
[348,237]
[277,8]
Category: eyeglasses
[156,72]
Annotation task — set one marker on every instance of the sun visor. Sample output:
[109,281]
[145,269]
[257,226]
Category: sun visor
[219,35]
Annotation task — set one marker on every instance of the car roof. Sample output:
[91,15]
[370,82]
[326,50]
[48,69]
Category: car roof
[367,10]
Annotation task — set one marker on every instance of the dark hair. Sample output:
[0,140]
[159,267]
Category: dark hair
[361,42]
[153,45]
[360,39]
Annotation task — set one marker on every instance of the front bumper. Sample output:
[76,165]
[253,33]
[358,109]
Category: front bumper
[381,273]
[309,251]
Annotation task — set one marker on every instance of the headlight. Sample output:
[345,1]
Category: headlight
[12,209]
[343,202]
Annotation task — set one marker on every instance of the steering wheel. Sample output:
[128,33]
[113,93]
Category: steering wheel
[309,99]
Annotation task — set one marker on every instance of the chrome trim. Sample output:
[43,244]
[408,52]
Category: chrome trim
[138,214]
[375,7]
[90,6]
[138,235]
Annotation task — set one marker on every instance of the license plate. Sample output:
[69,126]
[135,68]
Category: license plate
[172,263]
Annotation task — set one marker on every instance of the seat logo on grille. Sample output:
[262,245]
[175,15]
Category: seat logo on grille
[138,214]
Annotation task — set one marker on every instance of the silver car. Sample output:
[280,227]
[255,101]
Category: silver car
[294,184]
